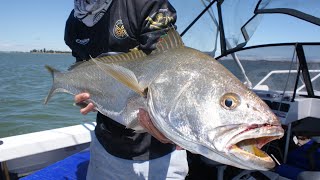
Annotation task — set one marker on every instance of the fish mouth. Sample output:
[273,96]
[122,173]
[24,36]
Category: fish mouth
[246,146]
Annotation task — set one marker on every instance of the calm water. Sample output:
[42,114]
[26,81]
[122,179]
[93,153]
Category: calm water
[24,83]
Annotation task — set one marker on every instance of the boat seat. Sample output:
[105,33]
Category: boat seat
[308,126]
[301,161]
[306,157]
[309,175]
[72,168]
[288,171]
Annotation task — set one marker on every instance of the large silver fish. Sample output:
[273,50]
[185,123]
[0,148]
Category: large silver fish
[191,98]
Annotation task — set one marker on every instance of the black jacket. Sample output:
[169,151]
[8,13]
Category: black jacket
[126,25]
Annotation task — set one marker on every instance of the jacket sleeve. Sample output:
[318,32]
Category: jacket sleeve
[68,36]
[155,18]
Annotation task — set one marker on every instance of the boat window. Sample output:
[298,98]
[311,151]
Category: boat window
[268,68]
[247,23]
[203,34]
[312,54]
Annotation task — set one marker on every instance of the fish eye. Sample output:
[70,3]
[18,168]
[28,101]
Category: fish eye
[230,101]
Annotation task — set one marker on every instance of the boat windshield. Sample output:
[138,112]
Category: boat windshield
[275,68]
[229,29]
[229,25]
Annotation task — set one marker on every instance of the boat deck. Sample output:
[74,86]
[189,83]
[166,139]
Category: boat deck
[74,167]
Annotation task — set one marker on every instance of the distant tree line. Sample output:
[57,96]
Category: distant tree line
[44,50]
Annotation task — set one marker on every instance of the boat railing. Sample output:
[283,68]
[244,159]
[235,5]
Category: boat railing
[261,84]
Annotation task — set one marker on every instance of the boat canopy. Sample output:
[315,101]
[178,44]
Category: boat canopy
[221,27]
[275,30]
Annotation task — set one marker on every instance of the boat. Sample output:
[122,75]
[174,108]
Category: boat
[292,92]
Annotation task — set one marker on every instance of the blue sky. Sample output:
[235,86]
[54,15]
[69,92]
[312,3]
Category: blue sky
[37,24]
[33,24]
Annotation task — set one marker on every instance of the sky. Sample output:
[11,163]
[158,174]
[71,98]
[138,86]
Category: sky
[38,24]
[33,24]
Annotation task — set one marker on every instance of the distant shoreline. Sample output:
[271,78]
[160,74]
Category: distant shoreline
[30,52]
[49,52]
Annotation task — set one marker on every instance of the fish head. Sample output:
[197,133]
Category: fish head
[246,125]
[215,116]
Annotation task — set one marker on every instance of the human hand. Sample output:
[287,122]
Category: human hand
[146,123]
[79,98]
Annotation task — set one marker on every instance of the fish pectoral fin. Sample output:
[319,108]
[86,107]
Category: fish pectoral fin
[123,75]
[136,127]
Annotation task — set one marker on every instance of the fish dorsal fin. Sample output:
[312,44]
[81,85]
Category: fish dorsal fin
[123,57]
[123,75]
[167,41]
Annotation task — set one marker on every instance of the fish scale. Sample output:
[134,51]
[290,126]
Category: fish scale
[191,98]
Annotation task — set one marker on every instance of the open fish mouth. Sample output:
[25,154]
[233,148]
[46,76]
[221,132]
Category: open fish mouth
[253,146]
[248,148]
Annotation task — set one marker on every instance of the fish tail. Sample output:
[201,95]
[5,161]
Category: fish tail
[53,73]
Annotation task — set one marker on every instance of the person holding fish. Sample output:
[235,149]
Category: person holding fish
[107,27]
